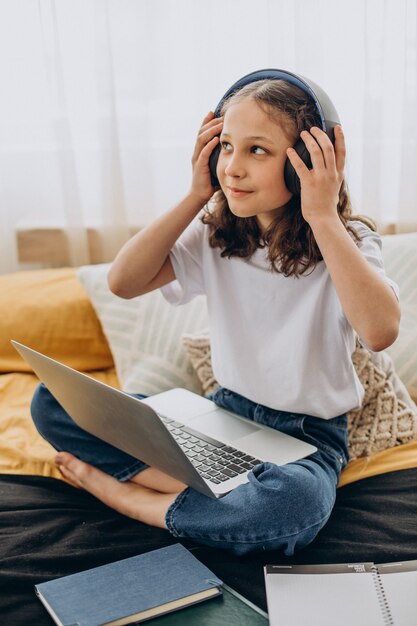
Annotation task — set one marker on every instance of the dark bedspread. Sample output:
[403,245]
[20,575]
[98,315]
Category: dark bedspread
[49,529]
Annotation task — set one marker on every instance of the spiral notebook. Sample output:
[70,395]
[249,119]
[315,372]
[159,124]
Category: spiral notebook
[344,594]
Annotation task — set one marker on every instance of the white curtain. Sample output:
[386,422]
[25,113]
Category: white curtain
[101,101]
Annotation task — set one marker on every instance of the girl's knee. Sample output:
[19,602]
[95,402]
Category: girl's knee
[39,401]
[43,409]
[280,508]
[288,506]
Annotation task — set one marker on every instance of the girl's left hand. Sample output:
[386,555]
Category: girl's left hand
[320,186]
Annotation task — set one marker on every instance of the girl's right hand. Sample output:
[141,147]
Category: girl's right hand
[207,140]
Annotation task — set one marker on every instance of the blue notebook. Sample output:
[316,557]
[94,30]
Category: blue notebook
[137,588]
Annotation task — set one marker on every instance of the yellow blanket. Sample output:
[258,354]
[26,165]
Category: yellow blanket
[22,449]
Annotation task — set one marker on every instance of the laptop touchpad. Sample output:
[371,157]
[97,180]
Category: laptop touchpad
[221,425]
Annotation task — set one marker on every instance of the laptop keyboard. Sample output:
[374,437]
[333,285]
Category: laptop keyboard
[214,460]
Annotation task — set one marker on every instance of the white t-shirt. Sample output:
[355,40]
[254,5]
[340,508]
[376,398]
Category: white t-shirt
[281,342]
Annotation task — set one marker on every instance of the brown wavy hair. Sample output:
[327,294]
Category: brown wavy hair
[292,248]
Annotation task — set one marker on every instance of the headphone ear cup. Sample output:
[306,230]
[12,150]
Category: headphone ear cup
[291,178]
[214,157]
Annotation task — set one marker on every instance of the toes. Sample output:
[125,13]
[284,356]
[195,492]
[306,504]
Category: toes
[72,468]
[63,458]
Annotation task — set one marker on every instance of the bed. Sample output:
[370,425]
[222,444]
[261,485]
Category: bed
[49,529]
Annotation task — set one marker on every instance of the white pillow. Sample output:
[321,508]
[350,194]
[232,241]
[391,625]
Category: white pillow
[144,335]
[400,258]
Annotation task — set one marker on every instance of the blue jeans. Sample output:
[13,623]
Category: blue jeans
[280,508]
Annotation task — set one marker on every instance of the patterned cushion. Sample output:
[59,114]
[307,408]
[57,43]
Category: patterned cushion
[400,258]
[144,335]
[384,420]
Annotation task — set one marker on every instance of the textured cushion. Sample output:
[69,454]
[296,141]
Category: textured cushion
[198,349]
[400,257]
[383,421]
[144,335]
[49,311]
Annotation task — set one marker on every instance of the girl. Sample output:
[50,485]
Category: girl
[289,281]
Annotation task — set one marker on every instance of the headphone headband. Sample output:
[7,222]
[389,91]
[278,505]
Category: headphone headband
[325,107]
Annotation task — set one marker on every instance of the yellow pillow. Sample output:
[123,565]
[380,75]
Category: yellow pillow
[48,310]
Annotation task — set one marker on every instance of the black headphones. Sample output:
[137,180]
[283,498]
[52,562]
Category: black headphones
[325,109]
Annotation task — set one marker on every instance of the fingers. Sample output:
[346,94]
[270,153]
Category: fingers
[208,117]
[340,149]
[206,129]
[319,146]
[297,163]
[210,129]
[208,149]
[322,153]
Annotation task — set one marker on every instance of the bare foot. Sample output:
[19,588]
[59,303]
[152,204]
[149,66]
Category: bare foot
[129,498]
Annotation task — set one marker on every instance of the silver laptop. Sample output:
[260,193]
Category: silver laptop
[176,431]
